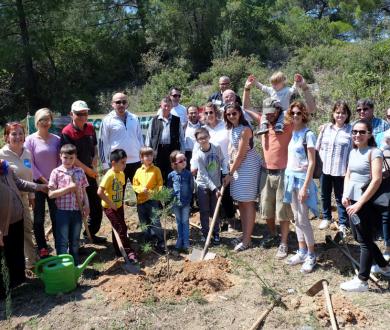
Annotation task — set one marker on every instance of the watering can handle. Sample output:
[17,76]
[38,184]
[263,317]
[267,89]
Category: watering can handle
[42,262]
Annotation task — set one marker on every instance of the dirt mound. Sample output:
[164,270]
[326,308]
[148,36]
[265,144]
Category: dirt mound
[185,279]
[346,313]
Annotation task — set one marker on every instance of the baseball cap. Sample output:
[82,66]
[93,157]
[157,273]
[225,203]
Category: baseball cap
[270,105]
[79,106]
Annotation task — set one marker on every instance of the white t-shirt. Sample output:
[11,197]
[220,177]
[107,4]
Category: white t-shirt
[297,159]
[181,112]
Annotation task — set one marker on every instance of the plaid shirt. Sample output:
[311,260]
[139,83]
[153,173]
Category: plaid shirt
[61,177]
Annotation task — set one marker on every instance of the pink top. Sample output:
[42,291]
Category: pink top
[60,178]
[45,154]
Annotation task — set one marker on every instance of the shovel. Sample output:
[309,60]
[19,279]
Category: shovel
[317,287]
[128,266]
[200,255]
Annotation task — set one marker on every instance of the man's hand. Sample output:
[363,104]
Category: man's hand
[91,173]
[251,81]
[42,188]
[31,202]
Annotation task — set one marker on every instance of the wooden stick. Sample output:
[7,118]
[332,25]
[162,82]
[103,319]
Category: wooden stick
[48,232]
[256,325]
[195,225]
[329,305]
[80,204]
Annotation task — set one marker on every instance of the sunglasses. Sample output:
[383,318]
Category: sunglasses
[123,102]
[224,83]
[81,114]
[361,132]
[208,113]
[181,161]
[298,113]
[362,109]
[232,114]
[176,95]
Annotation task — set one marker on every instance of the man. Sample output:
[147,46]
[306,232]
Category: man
[189,135]
[120,129]
[365,110]
[165,134]
[229,96]
[275,149]
[178,109]
[82,134]
[224,84]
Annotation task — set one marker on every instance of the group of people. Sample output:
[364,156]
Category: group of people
[203,154]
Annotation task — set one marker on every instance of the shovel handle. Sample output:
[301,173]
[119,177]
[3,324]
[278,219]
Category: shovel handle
[120,246]
[329,306]
[256,325]
[215,216]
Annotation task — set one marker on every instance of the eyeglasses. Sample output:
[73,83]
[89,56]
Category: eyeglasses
[176,95]
[232,114]
[202,138]
[361,132]
[45,120]
[362,109]
[181,161]
[298,113]
[123,102]
[81,114]
[208,113]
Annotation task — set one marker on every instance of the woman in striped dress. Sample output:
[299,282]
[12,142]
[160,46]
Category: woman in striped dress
[244,170]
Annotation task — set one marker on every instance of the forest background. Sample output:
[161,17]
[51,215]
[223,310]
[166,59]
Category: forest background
[55,52]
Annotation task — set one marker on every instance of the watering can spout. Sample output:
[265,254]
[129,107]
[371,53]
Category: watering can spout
[80,268]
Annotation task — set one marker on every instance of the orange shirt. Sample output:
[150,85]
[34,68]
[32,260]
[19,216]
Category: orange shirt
[275,147]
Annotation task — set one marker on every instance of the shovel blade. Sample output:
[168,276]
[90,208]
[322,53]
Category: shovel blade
[315,288]
[196,255]
[131,268]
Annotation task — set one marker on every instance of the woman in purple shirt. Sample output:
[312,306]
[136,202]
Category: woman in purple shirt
[44,147]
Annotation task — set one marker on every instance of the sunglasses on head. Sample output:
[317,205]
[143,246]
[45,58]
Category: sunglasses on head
[360,132]
[176,95]
[181,161]
[362,109]
[123,102]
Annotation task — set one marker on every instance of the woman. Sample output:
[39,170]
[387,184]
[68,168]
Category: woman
[334,144]
[244,170]
[300,189]
[19,159]
[365,165]
[11,224]
[44,148]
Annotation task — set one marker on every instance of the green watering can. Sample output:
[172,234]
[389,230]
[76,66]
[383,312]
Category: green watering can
[59,274]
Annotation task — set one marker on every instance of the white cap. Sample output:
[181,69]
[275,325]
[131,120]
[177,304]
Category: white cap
[79,106]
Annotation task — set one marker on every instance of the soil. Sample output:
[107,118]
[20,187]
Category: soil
[229,292]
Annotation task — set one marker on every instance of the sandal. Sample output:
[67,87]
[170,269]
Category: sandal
[241,247]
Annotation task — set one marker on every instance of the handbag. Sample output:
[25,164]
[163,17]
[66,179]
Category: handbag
[382,196]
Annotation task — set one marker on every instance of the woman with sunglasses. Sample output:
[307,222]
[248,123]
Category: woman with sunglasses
[365,165]
[300,189]
[19,160]
[334,144]
[44,148]
[244,170]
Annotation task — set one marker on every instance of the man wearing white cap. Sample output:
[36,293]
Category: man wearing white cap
[81,134]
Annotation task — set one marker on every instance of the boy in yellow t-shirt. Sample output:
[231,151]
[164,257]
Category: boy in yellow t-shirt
[147,179]
[111,192]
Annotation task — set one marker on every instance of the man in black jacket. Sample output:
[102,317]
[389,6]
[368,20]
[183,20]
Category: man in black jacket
[165,134]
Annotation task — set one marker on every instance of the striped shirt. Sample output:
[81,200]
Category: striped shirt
[61,177]
[334,145]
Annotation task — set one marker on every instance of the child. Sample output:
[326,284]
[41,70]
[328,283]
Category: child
[180,179]
[147,179]
[67,184]
[111,192]
[210,161]
[281,92]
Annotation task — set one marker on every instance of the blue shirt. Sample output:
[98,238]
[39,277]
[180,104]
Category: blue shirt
[183,186]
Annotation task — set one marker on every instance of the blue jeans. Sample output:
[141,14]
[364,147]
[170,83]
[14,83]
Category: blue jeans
[182,214]
[39,217]
[337,183]
[148,219]
[207,202]
[68,228]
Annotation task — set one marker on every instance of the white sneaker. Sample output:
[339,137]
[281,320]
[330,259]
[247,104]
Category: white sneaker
[343,230]
[324,224]
[282,251]
[296,259]
[354,285]
[385,271]
[309,264]
[386,255]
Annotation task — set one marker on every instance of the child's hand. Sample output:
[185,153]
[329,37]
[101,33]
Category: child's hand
[86,211]
[250,81]
[72,187]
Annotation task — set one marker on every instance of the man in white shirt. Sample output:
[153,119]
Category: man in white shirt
[120,129]
[178,109]
[189,134]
